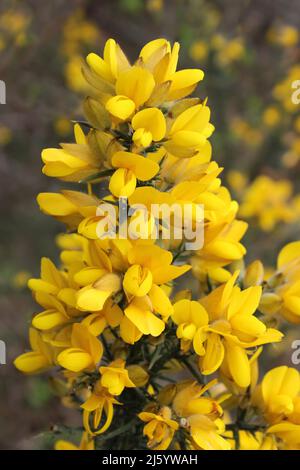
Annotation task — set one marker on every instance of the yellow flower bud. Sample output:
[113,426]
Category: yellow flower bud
[254,274]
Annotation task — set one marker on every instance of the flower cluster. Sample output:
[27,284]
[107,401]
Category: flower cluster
[126,345]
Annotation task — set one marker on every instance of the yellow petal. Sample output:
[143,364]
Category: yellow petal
[74,359]
[129,332]
[31,362]
[55,204]
[136,83]
[184,82]
[191,312]
[214,354]
[99,66]
[244,302]
[290,252]
[248,324]
[120,107]
[168,273]
[90,299]
[137,280]
[209,440]
[238,364]
[144,319]
[143,168]
[151,47]
[152,120]
[160,301]
[122,183]
[280,380]
[142,138]
[193,119]
[292,303]
[88,275]
[188,139]
[113,382]
[48,320]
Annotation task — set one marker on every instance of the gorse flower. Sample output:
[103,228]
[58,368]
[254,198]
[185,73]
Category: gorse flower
[222,327]
[278,396]
[281,295]
[132,349]
[160,428]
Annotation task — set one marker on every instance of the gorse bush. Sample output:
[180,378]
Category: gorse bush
[127,342]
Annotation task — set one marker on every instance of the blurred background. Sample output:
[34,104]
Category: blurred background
[250,53]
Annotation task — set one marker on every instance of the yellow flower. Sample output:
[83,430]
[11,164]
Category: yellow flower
[221,247]
[71,207]
[131,167]
[150,267]
[189,131]
[229,50]
[141,83]
[110,315]
[52,280]
[86,443]
[199,50]
[84,353]
[93,296]
[237,180]
[112,63]
[201,416]
[100,401]
[55,314]
[149,125]
[227,328]
[271,116]
[189,316]
[40,358]
[284,35]
[238,391]
[120,107]
[282,292]
[74,80]
[278,396]
[146,140]
[160,428]
[72,162]
[115,377]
